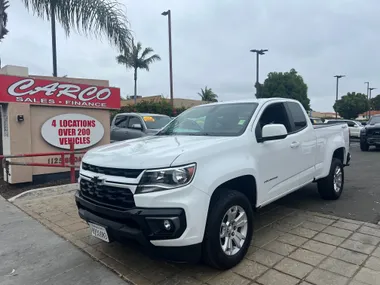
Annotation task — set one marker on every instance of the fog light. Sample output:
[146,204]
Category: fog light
[167,225]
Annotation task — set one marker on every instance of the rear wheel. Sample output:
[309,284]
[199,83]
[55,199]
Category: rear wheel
[228,231]
[364,146]
[331,187]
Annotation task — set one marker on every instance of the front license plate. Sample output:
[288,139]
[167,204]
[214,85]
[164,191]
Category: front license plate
[99,232]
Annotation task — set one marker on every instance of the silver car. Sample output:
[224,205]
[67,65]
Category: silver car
[125,126]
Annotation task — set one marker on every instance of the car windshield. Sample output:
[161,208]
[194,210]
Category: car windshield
[212,120]
[156,122]
[374,120]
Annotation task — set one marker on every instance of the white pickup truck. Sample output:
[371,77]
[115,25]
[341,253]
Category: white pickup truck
[190,190]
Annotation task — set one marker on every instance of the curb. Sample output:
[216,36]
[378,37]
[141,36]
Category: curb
[44,192]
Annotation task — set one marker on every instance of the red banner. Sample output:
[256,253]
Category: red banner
[57,93]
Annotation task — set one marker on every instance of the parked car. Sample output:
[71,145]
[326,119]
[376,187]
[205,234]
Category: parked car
[354,126]
[125,126]
[316,121]
[190,190]
[370,134]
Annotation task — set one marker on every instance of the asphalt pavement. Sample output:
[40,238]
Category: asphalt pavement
[360,199]
[30,254]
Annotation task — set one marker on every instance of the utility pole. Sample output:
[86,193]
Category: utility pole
[367,82]
[258,53]
[168,13]
[337,90]
[370,93]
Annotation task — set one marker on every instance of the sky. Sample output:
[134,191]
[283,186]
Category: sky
[211,42]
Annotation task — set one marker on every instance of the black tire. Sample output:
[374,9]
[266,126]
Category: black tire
[364,146]
[212,252]
[326,187]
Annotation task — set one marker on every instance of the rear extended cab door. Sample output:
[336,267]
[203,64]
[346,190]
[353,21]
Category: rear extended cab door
[304,142]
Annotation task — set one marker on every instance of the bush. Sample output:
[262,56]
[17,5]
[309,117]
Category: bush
[161,106]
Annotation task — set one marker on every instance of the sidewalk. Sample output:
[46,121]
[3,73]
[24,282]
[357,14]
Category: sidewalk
[290,247]
[30,254]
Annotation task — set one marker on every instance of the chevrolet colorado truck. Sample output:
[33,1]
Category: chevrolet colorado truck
[370,134]
[189,191]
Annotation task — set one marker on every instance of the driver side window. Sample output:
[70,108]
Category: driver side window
[273,114]
[134,121]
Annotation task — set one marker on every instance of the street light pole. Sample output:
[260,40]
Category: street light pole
[258,53]
[370,93]
[337,91]
[367,82]
[168,13]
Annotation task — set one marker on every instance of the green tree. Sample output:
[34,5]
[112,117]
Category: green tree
[286,85]
[137,58]
[96,17]
[351,105]
[208,95]
[375,103]
[4,4]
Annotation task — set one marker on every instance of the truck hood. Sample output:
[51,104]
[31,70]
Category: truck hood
[148,152]
[373,126]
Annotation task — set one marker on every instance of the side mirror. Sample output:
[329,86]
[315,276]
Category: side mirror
[273,132]
[136,127]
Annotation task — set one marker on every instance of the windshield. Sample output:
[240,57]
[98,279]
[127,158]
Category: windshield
[212,120]
[156,122]
[374,120]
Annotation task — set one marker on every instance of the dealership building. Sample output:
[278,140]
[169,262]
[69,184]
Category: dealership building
[41,114]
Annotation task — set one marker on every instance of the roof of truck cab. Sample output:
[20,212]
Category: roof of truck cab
[254,100]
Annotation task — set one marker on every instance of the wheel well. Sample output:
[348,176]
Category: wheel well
[339,154]
[245,184]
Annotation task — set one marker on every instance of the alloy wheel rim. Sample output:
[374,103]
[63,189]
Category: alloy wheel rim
[338,179]
[233,230]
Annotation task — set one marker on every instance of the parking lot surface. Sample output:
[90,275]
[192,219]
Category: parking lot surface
[361,196]
[289,247]
[30,254]
[299,240]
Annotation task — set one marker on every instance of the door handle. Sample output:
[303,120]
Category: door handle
[344,126]
[294,144]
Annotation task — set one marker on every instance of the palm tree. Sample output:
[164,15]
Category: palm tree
[4,4]
[137,58]
[208,95]
[98,17]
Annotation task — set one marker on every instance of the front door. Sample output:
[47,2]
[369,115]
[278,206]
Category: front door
[275,159]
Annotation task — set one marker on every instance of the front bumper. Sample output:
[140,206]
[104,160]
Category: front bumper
[144,225]
[370,139]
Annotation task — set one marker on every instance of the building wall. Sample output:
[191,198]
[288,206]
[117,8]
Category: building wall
[25,137]
[178,102]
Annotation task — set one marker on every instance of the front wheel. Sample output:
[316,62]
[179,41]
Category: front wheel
[228,231]
[331,187]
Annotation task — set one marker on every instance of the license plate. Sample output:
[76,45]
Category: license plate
[99,232]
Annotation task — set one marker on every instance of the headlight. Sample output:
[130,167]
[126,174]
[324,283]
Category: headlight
[363,131]
[166,179]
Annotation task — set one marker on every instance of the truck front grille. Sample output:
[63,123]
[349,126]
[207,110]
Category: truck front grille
[107,195]
[128,173]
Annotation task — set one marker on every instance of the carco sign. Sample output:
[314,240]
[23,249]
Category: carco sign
[63,130]
[47,92]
